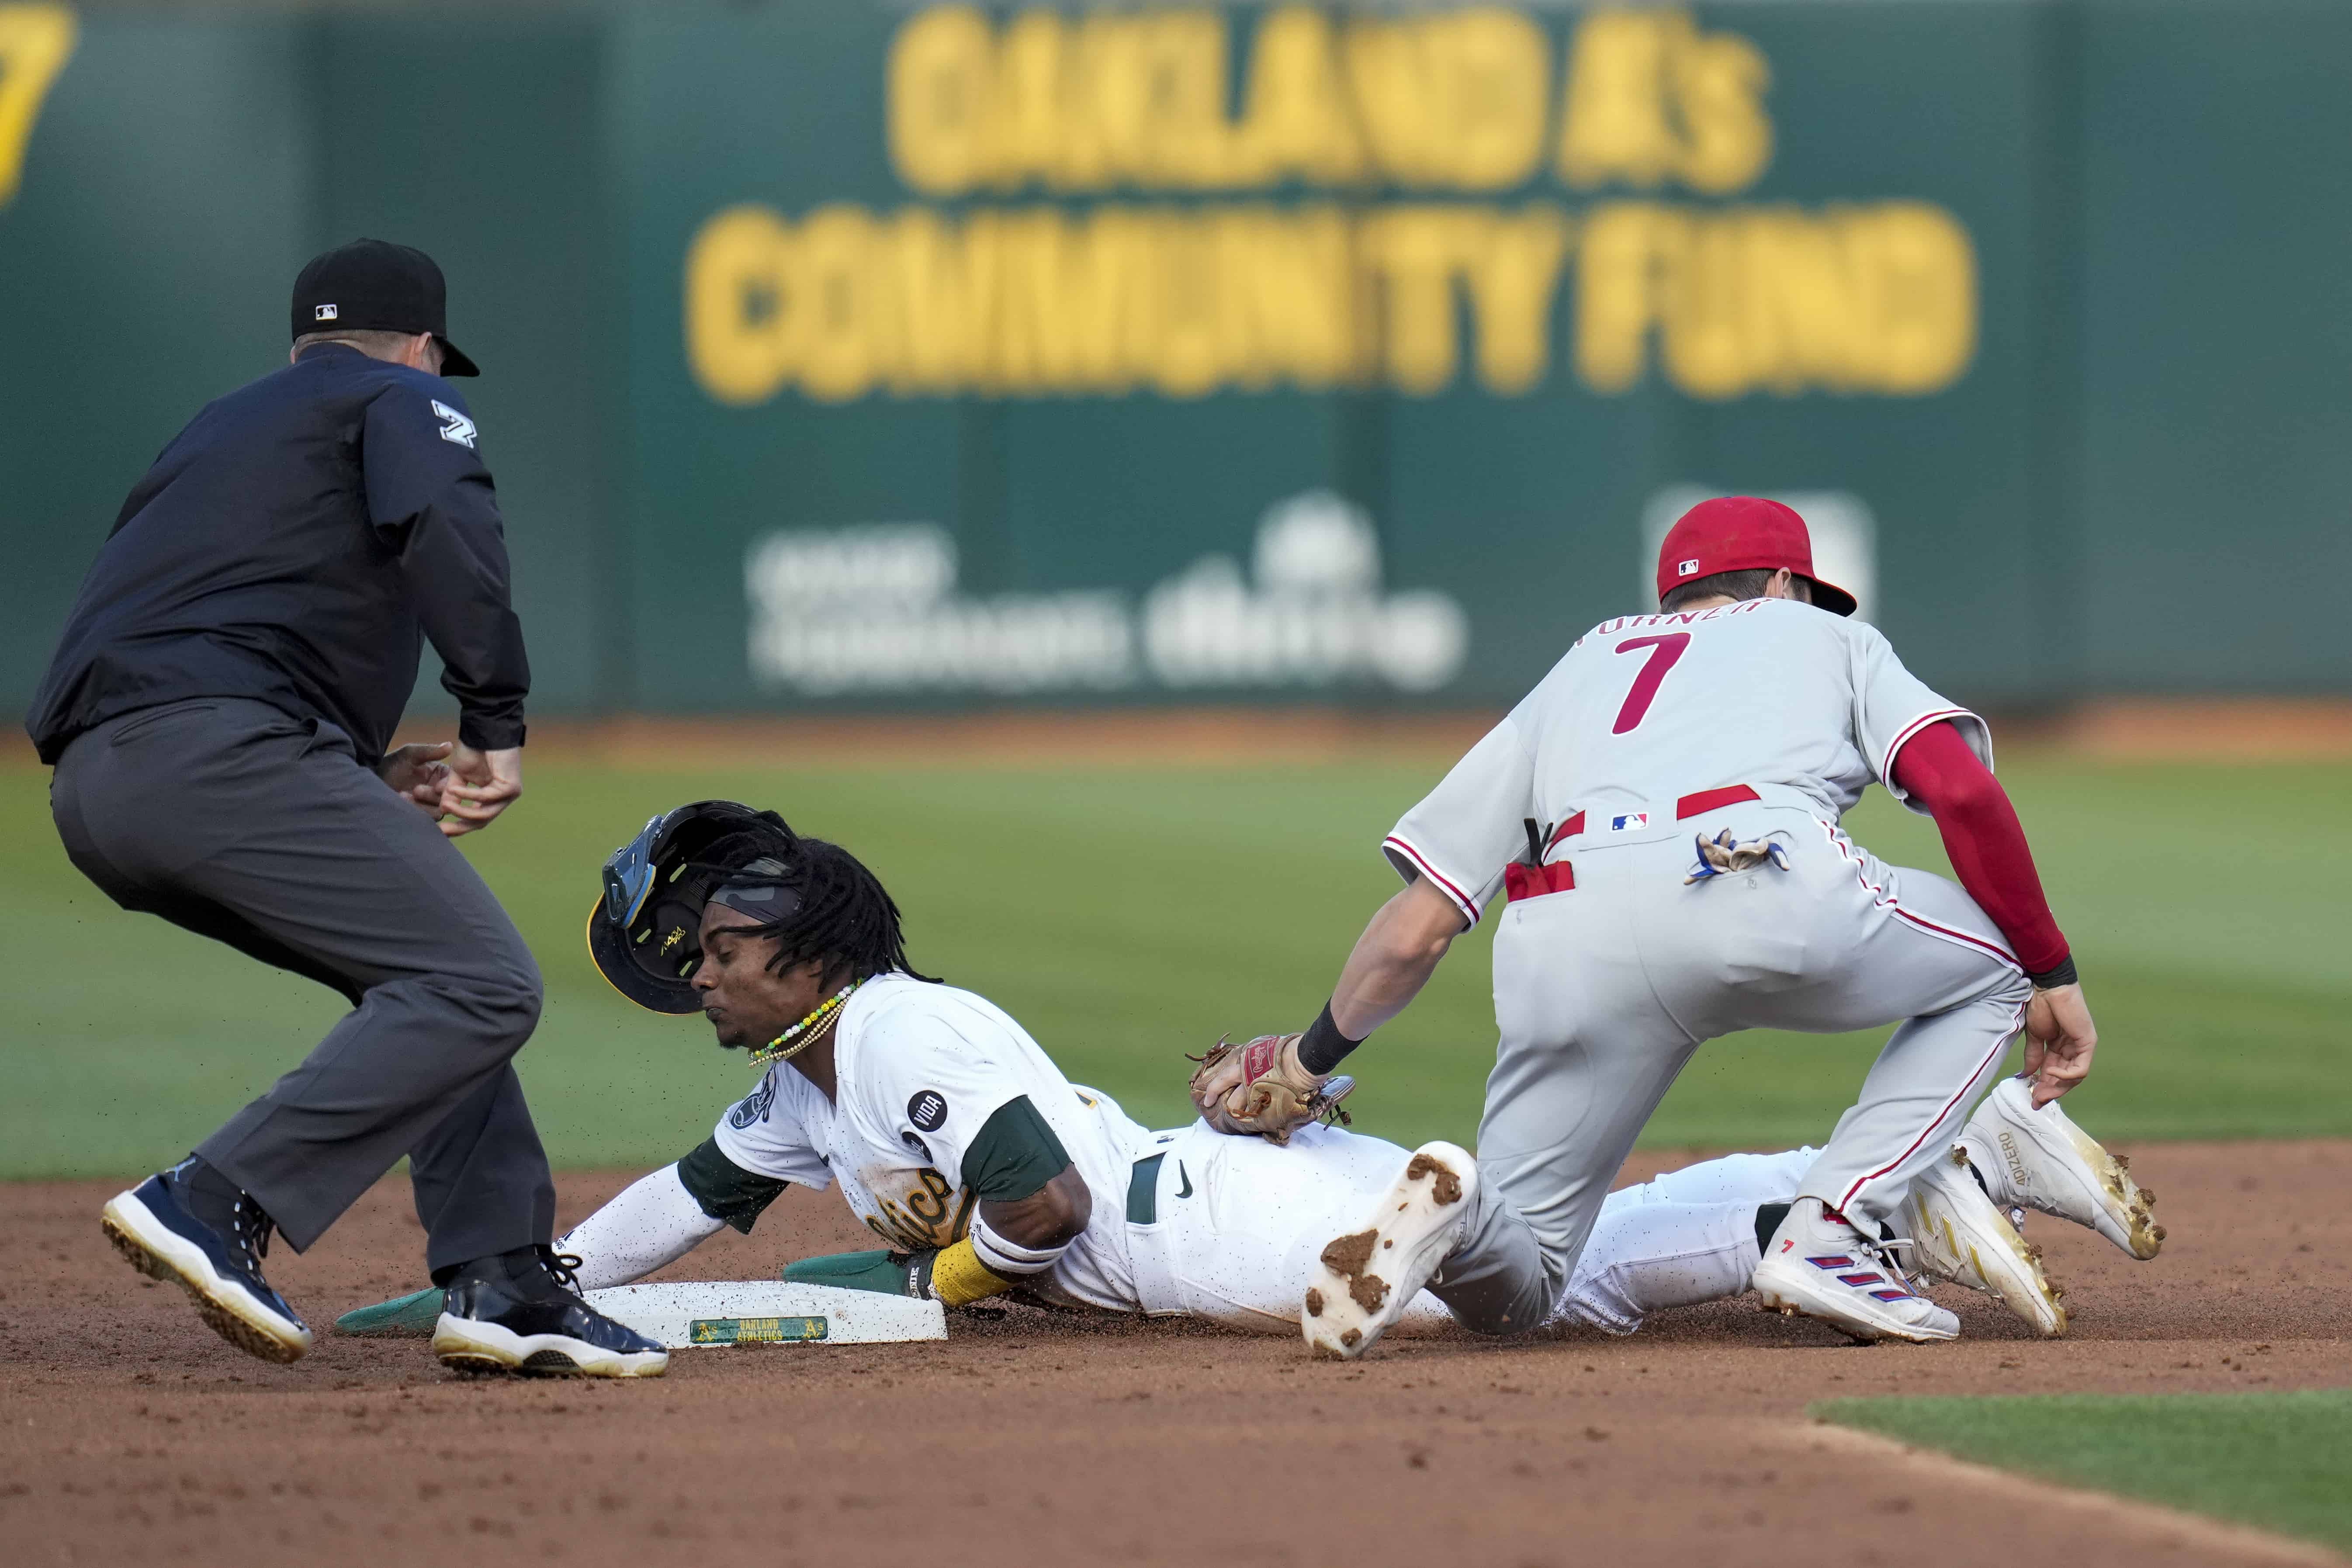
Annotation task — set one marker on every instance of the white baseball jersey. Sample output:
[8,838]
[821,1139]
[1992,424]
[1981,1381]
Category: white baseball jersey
[919,1068]
[1645,710]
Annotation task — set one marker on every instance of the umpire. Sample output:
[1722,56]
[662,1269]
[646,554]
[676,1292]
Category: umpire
[219,713]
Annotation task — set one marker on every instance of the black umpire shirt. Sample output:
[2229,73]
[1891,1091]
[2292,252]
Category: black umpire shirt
[294,544]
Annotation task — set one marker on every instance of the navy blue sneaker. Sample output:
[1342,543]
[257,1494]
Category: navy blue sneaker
[155,1227]
[515,1312]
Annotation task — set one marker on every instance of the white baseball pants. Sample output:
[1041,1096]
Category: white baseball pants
[1238,1224]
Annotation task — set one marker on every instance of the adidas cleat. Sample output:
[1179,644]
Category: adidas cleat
[2041,1159]
[1819,1267]
[1956,1235]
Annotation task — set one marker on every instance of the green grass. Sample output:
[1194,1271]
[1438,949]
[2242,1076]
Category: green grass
[1126,916]
[2278,1461]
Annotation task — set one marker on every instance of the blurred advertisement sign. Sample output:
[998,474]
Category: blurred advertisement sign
[875,609]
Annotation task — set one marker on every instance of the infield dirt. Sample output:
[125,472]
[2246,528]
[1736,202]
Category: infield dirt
[127,1433]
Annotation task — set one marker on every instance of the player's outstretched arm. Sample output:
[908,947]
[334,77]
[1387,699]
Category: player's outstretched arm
[650,1223]
[1400,950]
[1274,1085]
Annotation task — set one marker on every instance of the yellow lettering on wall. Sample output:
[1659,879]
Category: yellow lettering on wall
[1495,87]
[1184,86]
[1616,294]
[1877,299]
[1457,100]
[1920,304]
[1800,322]
[943,285]
[1615,124]
[1296,120]
[1416,251]
[1389,78]
[1038,301]
[1650,97]
[1513,273]
[839,303]
[940,87]
[1302,292]
[1187,344]
[1064,315]
[1032,127]
[36,41]
[738,306]
[1719,81]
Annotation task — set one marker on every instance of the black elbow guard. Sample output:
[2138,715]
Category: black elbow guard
[725,1190]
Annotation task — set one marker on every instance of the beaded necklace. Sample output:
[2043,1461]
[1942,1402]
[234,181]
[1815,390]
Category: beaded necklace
[807,1032]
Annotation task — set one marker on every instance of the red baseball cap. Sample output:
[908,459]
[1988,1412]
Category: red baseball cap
[1743,534]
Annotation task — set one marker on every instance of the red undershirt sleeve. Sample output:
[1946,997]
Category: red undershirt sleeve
[1984,840]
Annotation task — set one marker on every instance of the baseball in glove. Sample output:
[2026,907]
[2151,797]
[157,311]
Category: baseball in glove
[1260,1088]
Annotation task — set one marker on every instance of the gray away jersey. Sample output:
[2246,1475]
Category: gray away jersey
[1646,709]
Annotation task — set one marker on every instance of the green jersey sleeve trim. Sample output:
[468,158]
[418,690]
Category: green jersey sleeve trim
[1015,1154]
[725,1190]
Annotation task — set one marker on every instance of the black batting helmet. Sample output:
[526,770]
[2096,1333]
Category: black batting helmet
[645,931]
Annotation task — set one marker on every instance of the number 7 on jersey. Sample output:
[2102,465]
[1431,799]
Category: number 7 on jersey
[1664,649]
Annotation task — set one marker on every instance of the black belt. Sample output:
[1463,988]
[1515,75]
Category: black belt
[1143,1190]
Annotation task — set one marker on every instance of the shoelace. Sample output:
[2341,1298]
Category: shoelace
[1913,1280]
[562,1267]
[250,1228]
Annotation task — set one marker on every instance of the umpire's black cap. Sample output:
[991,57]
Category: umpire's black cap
[375,286]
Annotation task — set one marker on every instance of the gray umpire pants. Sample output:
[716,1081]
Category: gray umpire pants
[240,823]
[1604,992]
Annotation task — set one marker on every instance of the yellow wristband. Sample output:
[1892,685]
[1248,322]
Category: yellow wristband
[958,1278]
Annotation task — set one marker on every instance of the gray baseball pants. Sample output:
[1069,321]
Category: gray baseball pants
[243,824]
[1603,991]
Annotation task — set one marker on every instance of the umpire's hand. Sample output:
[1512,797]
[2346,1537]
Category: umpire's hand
[416,774]
[480,785]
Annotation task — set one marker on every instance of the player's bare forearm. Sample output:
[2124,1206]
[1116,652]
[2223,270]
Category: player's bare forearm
[1400,950]
[1053,1215]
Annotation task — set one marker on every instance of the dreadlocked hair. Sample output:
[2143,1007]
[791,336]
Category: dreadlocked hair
[845,920]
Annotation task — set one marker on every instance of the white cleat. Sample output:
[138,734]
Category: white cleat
[1365,1278]
[1822,1268]
[1956,1235]
[2041,1159]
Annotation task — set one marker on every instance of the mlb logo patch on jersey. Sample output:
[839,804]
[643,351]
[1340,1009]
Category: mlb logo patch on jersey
[1632,822]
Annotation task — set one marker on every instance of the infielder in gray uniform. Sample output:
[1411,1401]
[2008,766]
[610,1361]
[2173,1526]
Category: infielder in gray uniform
[1663,812]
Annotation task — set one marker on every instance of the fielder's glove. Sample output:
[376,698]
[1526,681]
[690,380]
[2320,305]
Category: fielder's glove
[1260,1088]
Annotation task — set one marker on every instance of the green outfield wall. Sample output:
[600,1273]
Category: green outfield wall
[868,355]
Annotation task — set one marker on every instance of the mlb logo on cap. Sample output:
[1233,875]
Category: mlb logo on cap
[323,314]
[1682,568]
